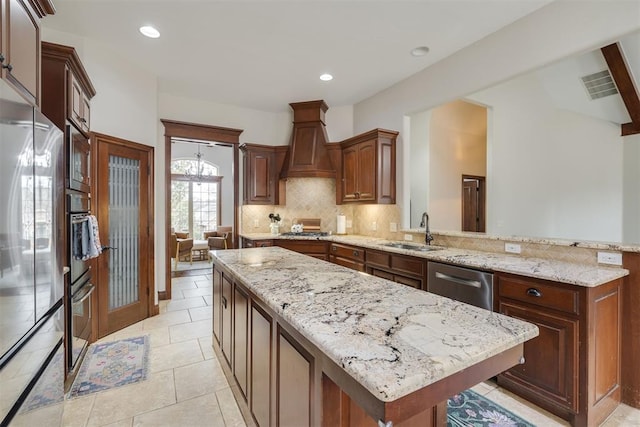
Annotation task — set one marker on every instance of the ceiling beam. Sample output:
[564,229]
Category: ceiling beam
[620,73]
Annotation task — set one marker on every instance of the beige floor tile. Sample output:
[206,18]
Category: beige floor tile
[201,313]
[121,403]
[199,292]
[229,408]
[206,345]
[208,299]
[484,387]
[77,411]
[200,411]
[129,331]
[182,284]
[527,411]
[167,319]
[182,304]
[189,331]
[203,283]
[177,294]
[128,422]
[623,416]
[175,355]
[199,379]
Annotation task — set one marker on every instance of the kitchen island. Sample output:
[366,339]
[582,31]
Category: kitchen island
[313,343]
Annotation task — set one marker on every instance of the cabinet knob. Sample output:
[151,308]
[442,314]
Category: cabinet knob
[533,292]
[1,57]
[356,253]
[333,248]
[83,120]
[9,67]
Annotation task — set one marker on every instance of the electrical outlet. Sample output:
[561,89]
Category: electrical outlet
[256,223]
[349,223]
[374,226]
[512,248]
[612,258]
[393,227]
[408,237]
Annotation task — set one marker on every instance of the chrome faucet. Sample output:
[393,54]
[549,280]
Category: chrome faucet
[425,223]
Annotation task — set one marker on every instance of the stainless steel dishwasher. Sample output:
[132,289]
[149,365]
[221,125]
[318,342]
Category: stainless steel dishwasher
[462,284]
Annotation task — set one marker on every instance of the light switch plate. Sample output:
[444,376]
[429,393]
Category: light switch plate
[611,258]
[512,248]
[408,237]
[256,223]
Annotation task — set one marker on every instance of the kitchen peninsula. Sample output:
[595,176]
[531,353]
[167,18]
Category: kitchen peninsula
[314,343]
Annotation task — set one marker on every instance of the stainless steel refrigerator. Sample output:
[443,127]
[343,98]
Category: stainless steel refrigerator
[31,257]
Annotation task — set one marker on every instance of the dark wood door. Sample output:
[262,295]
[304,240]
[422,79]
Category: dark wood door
[258,187]
[473,203]
[217,304]
[261,351]
[241,338]
[227,302]
[122,201]
[349,173]
[295,390]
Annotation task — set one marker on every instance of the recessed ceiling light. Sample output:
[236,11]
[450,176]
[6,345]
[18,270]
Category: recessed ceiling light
[420,51]
[326,77]
[149,31]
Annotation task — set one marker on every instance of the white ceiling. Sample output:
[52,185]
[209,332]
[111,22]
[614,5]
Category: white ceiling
[265,54]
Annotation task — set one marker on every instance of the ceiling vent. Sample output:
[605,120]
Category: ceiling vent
[599,85]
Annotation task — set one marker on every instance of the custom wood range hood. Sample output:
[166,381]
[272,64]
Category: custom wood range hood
[308,155]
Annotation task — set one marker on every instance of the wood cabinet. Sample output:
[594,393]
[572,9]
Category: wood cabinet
[241,338]
[313,248]
[408,270]
[20,45]
[294,390]
[262,243]
[572,368]
[217,304]
[225,318]
[368,169]
[261,360]
[66,87]
[347,256]
[262,183]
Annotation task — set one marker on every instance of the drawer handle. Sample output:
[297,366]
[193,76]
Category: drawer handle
[356,253]
[224,302]
[334,248]
[533,292]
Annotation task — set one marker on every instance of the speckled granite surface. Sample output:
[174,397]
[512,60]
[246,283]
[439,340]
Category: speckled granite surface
[391,338]
[560,271]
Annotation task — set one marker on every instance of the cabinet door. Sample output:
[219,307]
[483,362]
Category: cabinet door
[261,334]
[21,49]
[550,370]
[350,174]
[217,304]
[226,318]
[258,177]
[240,338]
[366,171]
[294,386]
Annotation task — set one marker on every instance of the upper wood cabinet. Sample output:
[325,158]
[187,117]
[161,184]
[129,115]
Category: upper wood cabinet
[368,168]
[20,45]
[262,165]
[66,87]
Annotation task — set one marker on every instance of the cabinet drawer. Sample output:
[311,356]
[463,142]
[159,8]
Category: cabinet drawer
[306,247]
[380,259]
[381,273]
[350,252]
[345,262]
[411,265]
[539,292]
[409,281]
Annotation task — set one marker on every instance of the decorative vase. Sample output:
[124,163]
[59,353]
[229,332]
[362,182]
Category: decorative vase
[275,228]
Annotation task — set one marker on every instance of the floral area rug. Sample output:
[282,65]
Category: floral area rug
[470,409]
[50,387]
[112,364]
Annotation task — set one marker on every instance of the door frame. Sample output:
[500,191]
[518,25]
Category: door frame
[482,205]
[177,129]
[152,308]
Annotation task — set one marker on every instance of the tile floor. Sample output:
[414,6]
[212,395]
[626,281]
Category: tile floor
[186,384]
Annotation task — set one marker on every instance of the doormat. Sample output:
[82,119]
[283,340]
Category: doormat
[112,364]
[470,409]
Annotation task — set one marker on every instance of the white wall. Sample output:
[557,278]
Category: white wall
[419,176]
[553,32]
[554,173]
[631,188]
[457,146]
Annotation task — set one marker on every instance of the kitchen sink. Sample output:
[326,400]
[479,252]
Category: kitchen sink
[420,248]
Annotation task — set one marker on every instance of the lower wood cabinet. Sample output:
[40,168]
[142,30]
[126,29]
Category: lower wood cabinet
[408,270]
[226,309]
[572,368]
[261,359]
[312,248]
[217,304]
[241,338]
[347,256]
[249,243]
[295,389]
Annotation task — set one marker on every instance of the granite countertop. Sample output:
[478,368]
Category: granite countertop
[391,338]
[559,271]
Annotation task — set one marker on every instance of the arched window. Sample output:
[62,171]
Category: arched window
[195,196]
